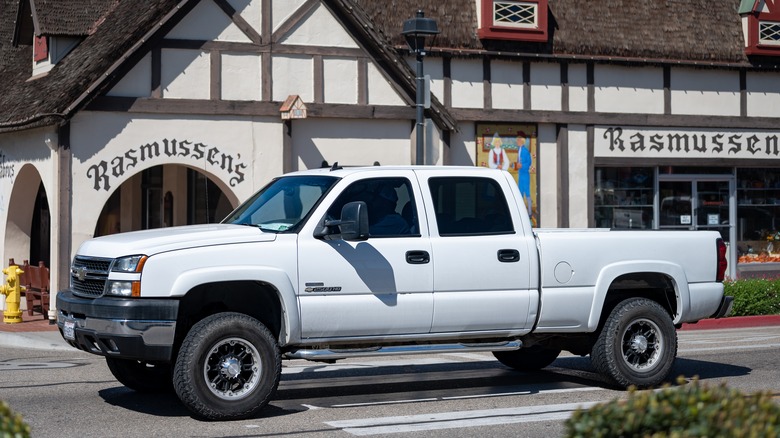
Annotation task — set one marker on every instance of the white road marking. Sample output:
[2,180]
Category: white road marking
[462,419]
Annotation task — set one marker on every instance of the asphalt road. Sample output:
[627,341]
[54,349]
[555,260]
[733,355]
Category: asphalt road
[67,393]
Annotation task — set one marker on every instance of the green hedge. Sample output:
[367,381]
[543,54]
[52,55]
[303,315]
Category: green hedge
[686,411]
[754,296]
[11,424]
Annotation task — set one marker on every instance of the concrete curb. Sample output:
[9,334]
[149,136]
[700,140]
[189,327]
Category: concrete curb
[734,322]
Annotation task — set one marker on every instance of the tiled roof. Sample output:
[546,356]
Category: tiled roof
[72,18]
[697,31]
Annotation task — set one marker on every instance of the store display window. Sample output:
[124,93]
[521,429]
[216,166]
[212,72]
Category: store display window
[758,215]
[624,197]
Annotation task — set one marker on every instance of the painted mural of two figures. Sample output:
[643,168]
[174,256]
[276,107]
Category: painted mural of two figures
[512,148]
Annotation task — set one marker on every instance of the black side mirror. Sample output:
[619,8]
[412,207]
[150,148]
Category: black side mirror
[353,224]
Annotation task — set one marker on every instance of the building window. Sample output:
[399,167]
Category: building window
[769,32]
[624,197]
[517,14]
[513,20]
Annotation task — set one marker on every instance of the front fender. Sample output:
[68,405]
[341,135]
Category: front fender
[275,277]
[611,272]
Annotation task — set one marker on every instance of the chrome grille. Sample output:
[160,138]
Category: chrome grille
[88,276]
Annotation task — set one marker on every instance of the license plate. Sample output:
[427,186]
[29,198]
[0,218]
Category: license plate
[68,330]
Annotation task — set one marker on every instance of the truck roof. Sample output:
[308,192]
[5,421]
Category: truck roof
[339,171]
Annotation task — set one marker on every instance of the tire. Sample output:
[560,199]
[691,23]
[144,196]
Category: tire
[528,359]
[637,345]
[140,376]
[228,367]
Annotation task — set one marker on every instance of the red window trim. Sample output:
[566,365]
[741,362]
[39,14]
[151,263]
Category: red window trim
[487,30]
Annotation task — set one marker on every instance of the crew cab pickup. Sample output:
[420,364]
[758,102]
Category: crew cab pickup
[336,263]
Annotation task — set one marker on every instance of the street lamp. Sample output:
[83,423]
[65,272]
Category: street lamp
[415,31]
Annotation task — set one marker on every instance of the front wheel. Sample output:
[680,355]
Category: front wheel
[637,345]
[141,376]
[228,367]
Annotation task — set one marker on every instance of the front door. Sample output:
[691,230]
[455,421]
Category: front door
[698,202]
[378,287]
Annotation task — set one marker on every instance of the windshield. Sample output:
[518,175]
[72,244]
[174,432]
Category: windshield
[283,204]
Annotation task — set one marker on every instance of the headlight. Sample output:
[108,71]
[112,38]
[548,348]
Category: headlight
[129,264]
[122,288]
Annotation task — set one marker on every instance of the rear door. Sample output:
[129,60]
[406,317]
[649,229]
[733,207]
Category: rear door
[481,257]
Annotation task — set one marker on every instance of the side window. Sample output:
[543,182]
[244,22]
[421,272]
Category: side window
[390,202]
[469,206]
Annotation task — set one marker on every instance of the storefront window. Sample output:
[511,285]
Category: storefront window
[624,197]
[758,215]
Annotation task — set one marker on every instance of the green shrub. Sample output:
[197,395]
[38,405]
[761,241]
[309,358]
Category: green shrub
[692,410]
[754,296]
[11,424]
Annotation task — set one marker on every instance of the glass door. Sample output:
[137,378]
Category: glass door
[699,202]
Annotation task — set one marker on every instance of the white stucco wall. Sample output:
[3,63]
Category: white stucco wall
[241,76]
[340,80]
[578,87]
[763,94]
[545,86]
[580,192]
[208,22]
[463,145]
[705,92]
[320,28]
[380,92]
[350,142]
[547,166]
[294,75]
[506,84]
[467,87]
[137,82]
[632,90]
[185,74]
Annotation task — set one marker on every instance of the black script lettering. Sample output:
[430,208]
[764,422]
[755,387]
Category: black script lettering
[637,142]
[117,166]
[99,170]
[678,139]
[703,147]
[229,160]
[198,151]
[238,179]
[183,149]
[656,142]
[212,153]
[716,140]
[152,150]
[615,139]
[771,145]
[752,141]
[132,160]
[169,147]
[734,142]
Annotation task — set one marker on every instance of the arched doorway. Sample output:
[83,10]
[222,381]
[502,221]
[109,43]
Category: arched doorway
[164,196]
[28,224]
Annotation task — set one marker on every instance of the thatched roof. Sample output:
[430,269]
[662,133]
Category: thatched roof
[118,31]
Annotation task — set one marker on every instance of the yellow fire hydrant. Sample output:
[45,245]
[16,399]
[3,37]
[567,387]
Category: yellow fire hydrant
[13,292]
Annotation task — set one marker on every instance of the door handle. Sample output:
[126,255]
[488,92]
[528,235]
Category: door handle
[417,257]
[508,255]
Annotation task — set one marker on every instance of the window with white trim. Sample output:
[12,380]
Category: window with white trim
[515,14]
[769,32]
[519,20]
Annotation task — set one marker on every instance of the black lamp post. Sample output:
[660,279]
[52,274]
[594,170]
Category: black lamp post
[415,31]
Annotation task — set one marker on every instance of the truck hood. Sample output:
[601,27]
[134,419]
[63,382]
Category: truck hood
[150,242]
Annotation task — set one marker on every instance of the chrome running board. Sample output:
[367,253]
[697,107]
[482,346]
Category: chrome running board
[343,353]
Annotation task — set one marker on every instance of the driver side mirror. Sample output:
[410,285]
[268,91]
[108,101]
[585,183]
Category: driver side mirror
[353,224]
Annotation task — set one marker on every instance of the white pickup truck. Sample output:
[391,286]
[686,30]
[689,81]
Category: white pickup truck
[335,263]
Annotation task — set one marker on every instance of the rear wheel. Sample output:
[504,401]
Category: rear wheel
[528,359]
[228,367]
[637,345]
[141,376]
